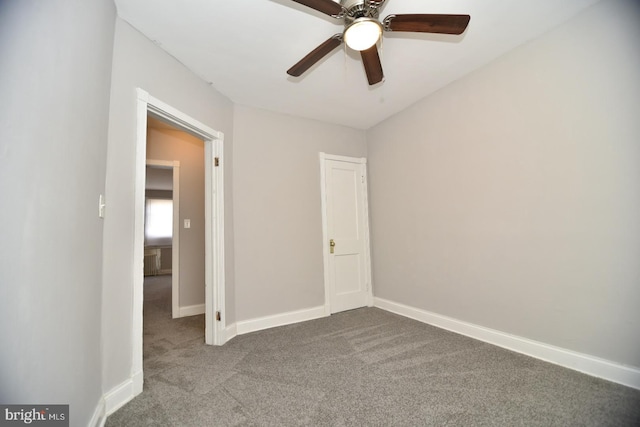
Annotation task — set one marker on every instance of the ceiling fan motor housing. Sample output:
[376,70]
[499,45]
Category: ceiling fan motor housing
[359,9]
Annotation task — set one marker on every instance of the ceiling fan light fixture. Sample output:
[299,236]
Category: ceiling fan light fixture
[362,33]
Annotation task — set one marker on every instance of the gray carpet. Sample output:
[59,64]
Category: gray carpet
[365,367]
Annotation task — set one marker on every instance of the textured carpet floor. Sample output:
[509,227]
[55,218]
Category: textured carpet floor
[364,367]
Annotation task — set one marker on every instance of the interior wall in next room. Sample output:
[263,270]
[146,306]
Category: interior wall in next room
[172,145]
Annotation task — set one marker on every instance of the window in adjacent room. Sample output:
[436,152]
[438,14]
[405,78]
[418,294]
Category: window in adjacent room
[158,219]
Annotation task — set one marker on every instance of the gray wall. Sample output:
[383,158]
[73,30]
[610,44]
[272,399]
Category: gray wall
[510,200]
[158,178]
[159,194]
[137,62]
[163,144]
[55,68]
[278,223]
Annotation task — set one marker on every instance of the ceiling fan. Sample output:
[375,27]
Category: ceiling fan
[363,29]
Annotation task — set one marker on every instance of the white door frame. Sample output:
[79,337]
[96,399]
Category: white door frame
[325,230]
[175,238]
[214,221]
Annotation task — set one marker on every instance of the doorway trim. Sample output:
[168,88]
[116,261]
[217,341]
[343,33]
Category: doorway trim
[175,238]
[325,227]
[214,221]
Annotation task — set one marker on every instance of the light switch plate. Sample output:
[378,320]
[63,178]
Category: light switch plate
[101,206]
[187,223]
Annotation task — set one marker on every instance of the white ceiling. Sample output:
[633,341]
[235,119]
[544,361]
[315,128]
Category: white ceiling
[244,47]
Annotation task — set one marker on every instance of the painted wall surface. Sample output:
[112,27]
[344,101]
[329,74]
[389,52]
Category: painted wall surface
[55,63]
[510,199]
[278,222]
[174,145]
[138,63]
[159,194]
[158,178]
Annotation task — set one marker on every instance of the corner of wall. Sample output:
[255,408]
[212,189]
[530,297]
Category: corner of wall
[590,365]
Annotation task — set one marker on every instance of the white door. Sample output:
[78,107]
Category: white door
[346,231]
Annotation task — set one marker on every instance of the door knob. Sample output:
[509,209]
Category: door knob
[332,245]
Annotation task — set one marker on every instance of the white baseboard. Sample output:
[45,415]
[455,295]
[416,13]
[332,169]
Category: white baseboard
[118,396]
[601,368]
[229,332]
[138,382]
[98,419]
[191,310]
[252,325]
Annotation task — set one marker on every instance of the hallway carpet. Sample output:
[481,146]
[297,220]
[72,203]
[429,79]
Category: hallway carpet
[365,367]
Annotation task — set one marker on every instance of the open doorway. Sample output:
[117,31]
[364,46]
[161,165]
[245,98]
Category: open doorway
[169,322]
[162,230]
[214,301]
[172,151]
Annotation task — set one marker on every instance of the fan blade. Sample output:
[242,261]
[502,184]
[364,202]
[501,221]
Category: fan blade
[315,55]
[372,65]
[425,23]
[327,7]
